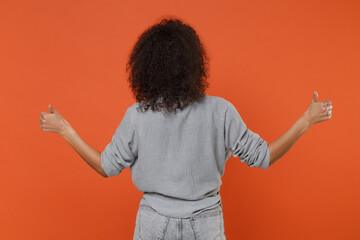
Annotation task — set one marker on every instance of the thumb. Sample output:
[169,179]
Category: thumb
[315,96]
[51,109]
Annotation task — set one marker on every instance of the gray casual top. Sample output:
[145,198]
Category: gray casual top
[178,160]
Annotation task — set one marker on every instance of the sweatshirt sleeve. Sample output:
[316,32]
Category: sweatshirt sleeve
[245,144]
[121,152]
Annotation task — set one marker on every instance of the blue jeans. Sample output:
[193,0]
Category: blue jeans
[206,225]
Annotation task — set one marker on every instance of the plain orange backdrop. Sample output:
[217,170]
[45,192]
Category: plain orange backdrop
[266,57]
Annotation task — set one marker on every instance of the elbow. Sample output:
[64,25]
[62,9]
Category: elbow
[270,163]
[272,160]
[101,170]
[102,173]
[271,157]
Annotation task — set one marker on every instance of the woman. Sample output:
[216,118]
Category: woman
[176,139]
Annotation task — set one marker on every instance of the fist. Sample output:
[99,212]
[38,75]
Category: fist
[53,121]
[318,111]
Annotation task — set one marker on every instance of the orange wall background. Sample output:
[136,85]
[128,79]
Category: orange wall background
[266,57]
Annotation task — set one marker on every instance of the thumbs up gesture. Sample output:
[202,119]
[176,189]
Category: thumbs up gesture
[318,111]
[53,121]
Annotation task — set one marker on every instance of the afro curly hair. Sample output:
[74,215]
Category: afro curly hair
[168,67]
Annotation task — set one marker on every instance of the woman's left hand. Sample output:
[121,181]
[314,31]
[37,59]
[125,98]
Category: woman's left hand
[53,122]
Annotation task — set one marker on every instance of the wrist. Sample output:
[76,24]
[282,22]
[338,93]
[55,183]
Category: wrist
[66,131]
[305,121]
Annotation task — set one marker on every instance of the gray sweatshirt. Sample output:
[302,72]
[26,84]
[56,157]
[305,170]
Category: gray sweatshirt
[178,160]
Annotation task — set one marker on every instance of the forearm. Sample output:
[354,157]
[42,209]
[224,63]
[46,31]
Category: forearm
[89,154]
[281,145]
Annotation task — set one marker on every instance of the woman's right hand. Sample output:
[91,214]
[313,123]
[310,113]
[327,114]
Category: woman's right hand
[318,111]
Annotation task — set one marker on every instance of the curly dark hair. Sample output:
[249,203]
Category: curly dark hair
[168,63]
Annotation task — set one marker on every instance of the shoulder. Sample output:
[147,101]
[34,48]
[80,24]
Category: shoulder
[132,108]
[220,107]
[219,102]
[130,114]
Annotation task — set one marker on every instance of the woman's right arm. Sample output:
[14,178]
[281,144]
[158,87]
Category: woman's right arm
[316,112]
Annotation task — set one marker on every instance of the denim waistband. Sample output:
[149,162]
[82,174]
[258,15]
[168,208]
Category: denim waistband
[207,212]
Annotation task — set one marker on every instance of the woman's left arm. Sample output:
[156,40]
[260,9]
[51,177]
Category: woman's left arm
[54,122]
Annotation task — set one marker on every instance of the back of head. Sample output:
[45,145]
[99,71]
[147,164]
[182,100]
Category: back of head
[168,67]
